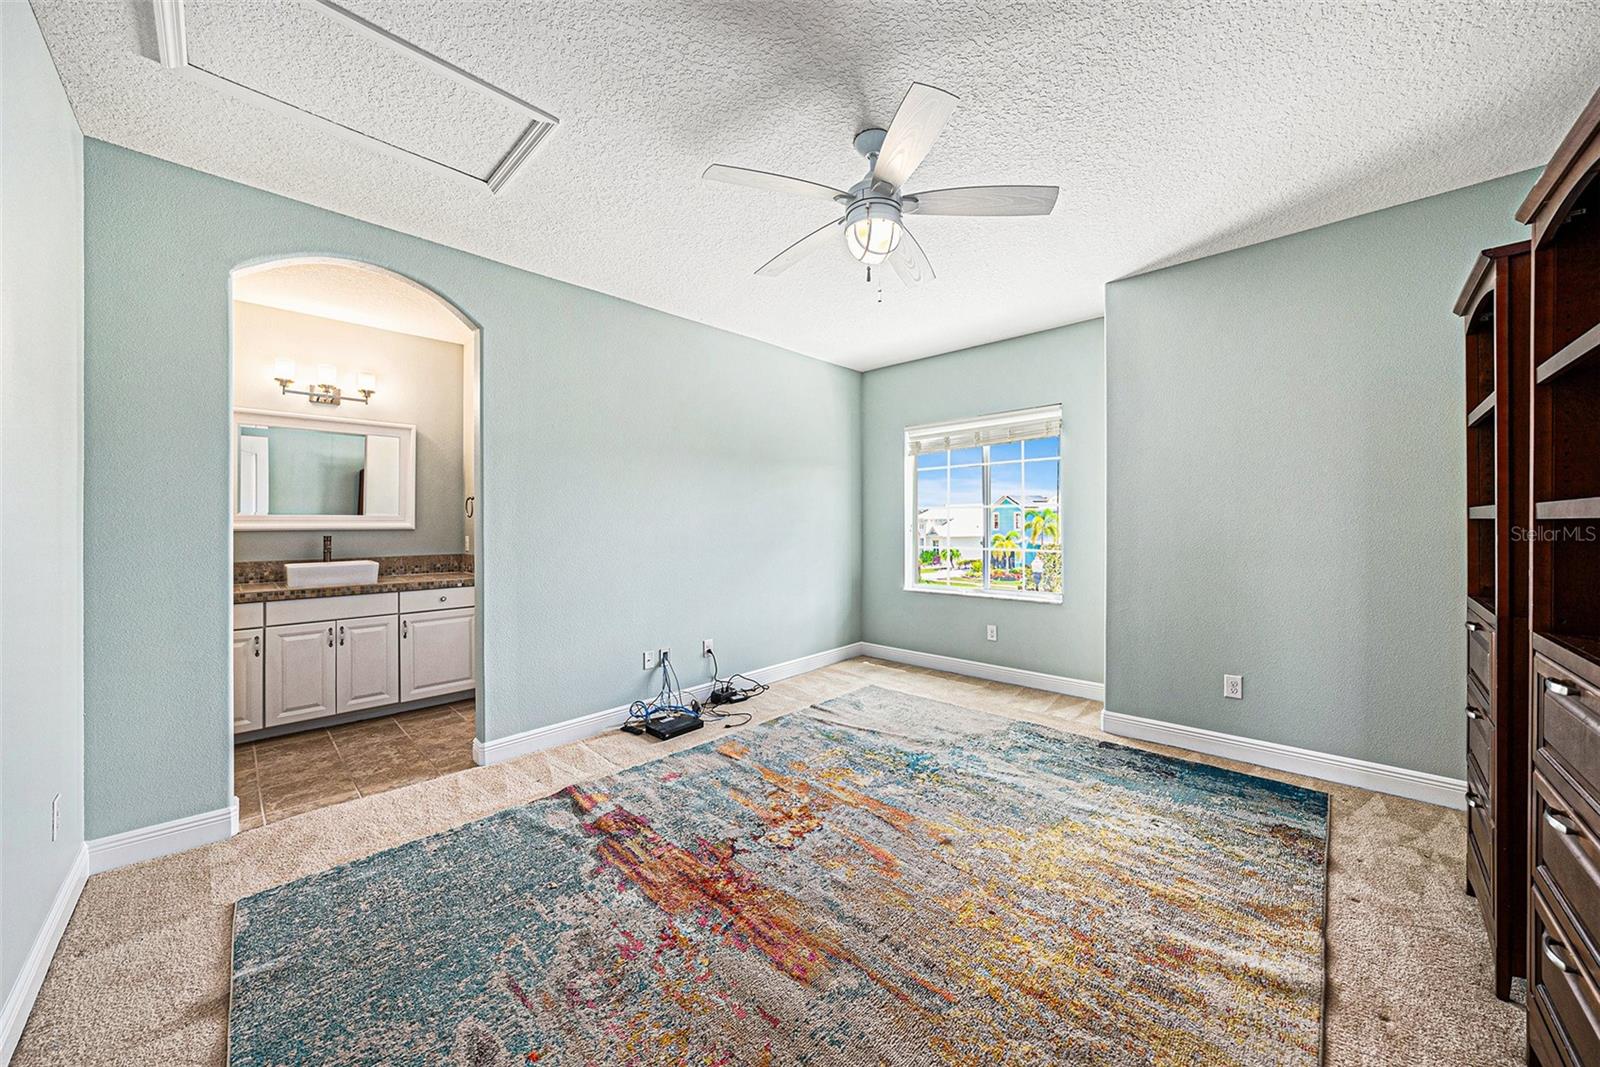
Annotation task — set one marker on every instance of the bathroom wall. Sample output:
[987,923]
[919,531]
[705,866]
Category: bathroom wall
[419,382]
[1287,483]
[41,498]
[646,482]
[1065,365]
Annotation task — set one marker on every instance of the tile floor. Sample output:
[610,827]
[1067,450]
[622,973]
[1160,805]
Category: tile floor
[291,775]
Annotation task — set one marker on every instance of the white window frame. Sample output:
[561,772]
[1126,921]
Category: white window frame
[912,550]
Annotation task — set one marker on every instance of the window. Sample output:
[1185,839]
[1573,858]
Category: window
[984,501]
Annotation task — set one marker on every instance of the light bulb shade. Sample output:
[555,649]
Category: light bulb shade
[283,368]
[367,381]
[327,374]
[872,236]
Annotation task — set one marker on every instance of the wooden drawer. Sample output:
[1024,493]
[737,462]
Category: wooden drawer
[437,599]
[1480,734]
[1478,883]
[1480,655]
[1566,736]
[1561,991]
[1566,868]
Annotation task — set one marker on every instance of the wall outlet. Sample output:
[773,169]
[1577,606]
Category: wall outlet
[1233,686]
[55,817]
[652,659]
[705,647]
[991,633]
[665,654]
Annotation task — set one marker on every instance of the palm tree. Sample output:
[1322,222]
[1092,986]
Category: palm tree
[1045,527]
[1004,546]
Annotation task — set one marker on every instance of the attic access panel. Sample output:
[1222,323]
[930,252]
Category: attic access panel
[320,63]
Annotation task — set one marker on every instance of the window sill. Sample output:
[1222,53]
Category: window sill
[988,594]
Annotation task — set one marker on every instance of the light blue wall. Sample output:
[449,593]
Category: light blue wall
[1066,365]
[720,478]
[41,487]
[1287,484]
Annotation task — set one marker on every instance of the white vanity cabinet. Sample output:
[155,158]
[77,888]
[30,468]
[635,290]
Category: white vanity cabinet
[247,680]
[297,660]
[367,671]
[300,672]
[438,652]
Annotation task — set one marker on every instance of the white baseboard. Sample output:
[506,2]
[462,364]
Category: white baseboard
[1050,683]
[1378,777]
[19,1000]
[163,839]
[561,733]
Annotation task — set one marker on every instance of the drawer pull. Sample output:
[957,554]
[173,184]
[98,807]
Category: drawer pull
[405,628]
[341,635]
[1560,688]
[1474,800]
[1472,627]
[1472,712]
[256,641]
[1555,952]
[1558,824]
[330,637]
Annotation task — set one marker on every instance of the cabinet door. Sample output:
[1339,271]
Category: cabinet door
[247,680]
[437,653]
[300,672]
[368,674]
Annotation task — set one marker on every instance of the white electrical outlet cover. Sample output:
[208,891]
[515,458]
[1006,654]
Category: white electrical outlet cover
[1233,686]
[991,633]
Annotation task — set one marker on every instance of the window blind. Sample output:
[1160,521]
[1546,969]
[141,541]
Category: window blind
[994,430]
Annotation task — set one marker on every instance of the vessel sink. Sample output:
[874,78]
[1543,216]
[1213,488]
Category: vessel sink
[338,572]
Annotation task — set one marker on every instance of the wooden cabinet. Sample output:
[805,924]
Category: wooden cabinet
[438,653]
[1495,306]
[300,672]
[367,663]
[1563,210]
[247,680]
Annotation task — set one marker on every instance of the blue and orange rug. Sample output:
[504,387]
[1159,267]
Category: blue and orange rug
[881,879]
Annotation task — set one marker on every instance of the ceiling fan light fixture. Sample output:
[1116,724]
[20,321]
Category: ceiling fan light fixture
[872,231]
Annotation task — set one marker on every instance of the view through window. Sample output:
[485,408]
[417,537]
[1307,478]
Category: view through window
[986,501]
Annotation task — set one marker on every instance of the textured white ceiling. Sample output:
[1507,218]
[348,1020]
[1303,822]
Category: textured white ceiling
[1176,128]
[350,292]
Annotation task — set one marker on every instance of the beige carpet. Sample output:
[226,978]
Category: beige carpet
[142,973]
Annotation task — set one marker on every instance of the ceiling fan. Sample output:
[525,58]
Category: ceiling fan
[875,207]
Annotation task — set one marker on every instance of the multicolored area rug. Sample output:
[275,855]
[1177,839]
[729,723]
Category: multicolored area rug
[881,879]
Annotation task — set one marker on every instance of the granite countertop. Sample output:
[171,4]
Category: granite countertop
[260,592]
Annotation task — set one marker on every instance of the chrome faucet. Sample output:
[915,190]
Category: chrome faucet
[327,548]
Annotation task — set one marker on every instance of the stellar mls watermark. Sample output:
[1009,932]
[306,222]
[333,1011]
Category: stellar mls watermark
[1549,534]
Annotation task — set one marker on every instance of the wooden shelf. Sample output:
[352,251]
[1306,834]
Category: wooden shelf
[1482,411]
[1586,344]
[1482,511]
[1585,645]
[1485,605]
[1558,510]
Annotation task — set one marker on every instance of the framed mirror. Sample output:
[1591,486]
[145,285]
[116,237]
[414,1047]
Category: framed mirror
[320,472]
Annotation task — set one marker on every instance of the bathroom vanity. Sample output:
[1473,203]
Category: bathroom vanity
[400,641]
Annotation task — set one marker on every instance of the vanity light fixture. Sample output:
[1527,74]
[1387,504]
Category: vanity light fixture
[326,391]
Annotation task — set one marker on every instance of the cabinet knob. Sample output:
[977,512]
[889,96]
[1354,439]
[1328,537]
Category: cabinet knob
[256,641]
[1559,688]
[444,598]
[1556,953]
[1472,627]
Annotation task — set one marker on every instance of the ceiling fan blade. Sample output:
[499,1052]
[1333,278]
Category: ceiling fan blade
[775,183]
[916,126]
[909,261]
[799,250]
[984,200]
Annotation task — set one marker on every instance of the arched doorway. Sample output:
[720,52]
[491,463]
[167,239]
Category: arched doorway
[354,451]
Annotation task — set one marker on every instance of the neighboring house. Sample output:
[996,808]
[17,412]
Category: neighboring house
[960,527]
